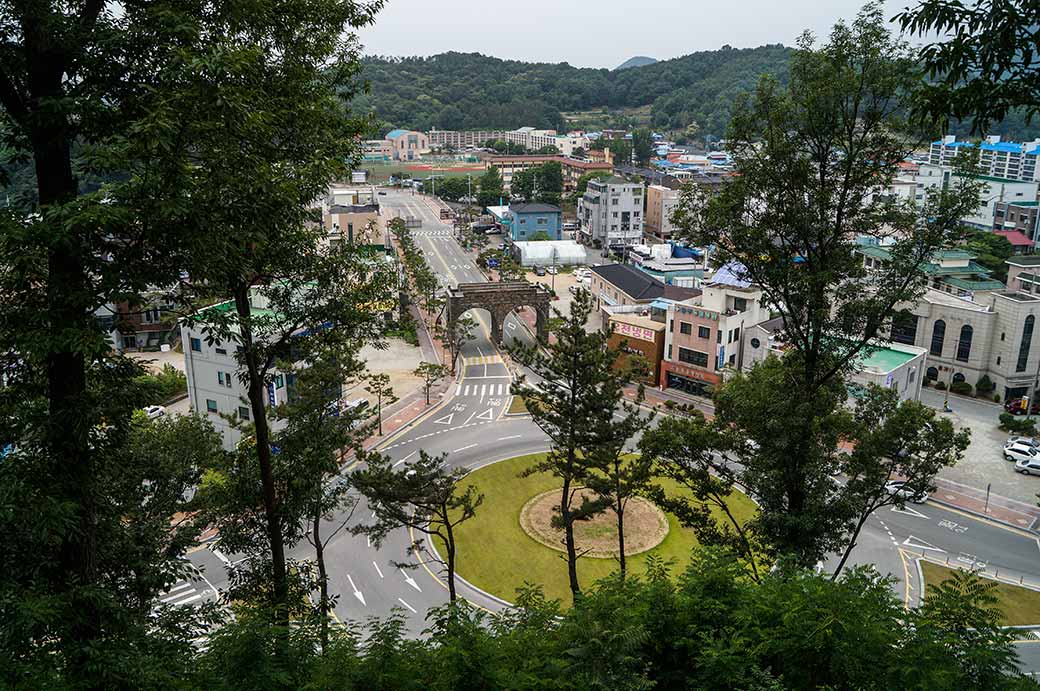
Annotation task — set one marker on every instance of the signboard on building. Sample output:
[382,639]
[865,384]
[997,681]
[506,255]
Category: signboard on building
[270,393]
[633,331]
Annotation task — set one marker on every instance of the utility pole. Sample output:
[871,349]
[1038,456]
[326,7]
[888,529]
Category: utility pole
[554,271]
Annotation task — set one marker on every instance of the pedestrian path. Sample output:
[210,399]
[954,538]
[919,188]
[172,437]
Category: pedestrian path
[482,390]
[433,232]
[482,360]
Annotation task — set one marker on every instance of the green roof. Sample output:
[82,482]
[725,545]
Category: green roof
[969,284]
[1024,203]
[229,306]
[971,268]
[874,251]
[886,359]
[936,256]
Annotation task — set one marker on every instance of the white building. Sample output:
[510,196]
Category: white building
[1008,160]
[995,190]
[611,213]
[214,386]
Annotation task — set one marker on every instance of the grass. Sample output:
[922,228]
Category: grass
[517,406]
[496,555]
[1019,606]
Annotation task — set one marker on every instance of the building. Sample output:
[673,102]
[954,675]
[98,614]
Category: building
[610,214]
[1020,216]
[661,203]
[214,387]
[147,326]
[1020,244]
[469,139]
[888,365]
[704,335]
[350,214]
[613,285]
[407,145]
[951,271]
[1007,160]
[572,168]
[639,335]
[530,219]
[377,150]
[995,190]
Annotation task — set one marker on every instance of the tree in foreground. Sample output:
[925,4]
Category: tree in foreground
[809,158]
[424,495]
[580,385]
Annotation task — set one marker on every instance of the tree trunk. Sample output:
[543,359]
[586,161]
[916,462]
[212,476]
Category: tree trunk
[323,581]
[450,546]
[568,539]
[263,455]
[621,536]
[852,543]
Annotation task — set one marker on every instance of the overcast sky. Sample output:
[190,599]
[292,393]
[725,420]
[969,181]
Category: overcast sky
[597,33]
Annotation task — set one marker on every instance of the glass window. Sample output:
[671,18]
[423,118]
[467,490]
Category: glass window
[196,345]
[693,357]
[221,351]
[243,412]
[220,378]
[938,336]
[703,332]
[279,381]
[755,343]
[211,405]
[904,328]
[685,328]
[1023,347]
[964,344]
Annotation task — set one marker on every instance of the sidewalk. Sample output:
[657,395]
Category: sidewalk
[994,507]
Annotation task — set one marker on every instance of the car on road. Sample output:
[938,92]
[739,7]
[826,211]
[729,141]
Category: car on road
[154,411]
[381,194]
[1015,406]
[582,272]
[898,488]
[539,271]
[1019,452]
[1028,466]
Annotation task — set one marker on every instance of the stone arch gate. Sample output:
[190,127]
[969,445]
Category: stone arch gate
[500,299]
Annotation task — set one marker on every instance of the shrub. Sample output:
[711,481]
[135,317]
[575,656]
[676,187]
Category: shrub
[1010,423]
[996,398]
[941,386]
[961,387]
[155,389]
[985,386]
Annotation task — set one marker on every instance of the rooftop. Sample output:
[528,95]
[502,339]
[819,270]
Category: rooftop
[1019,297]
[885,359]
[1016,237]
[631,281]
[534,208]
[1026,261]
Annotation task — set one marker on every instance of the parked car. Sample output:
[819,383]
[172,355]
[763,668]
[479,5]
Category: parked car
[539,271]
[899,489]
[1015,407]
[552,269]
[1018,452]
[1028,441]
[381,194]
[154,411]
[1028,466]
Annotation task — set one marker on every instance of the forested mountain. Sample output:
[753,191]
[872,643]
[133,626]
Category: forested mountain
[471,91]
[637,61]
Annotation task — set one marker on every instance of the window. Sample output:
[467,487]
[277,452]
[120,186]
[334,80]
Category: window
[703,332]
[243,412]
[904,328]
[1023,347]
[693,357]
[733,359]
[718,335]
[938,336]
[221,351]
[542,221]
[220,378]
[211,405]
[755,343]
[669,352]
[685,328]
[958,378]
[614,202]
[964,344]
[196,345]
[279,381]
[931,374]
[740,304]
[998,361]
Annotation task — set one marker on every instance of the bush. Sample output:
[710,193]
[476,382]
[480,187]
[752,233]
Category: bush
[1010,423]
[996,398]
[941,386]
[984,386]
[156,389]
[961,387]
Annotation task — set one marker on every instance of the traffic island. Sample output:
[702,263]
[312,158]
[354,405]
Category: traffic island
[496,555]
[1018,605]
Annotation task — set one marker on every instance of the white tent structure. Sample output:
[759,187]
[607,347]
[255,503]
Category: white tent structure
[549,252]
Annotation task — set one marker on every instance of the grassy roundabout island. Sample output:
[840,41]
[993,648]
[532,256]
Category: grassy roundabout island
[498,556]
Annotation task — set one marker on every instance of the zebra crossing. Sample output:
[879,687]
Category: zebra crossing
[482,390]
[482,360]
[184,593]
[441,232]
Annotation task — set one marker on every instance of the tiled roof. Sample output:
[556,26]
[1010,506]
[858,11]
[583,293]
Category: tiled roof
[1016,237]
[534,208]
[1028,260]
[972,284]
[631,281]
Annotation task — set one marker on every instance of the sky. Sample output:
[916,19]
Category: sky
[598,33]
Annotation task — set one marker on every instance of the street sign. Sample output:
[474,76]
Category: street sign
[492,263]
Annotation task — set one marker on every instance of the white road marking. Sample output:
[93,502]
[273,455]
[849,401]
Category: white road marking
[464,448]
[920,544]
[368,541]
[407,605]
[458,390]
[221,557]
[483,388]
[909,512]
[489,413]
[446,420]
[404,459]
[182,586]
[378,570]
[517,436]
[193,598]
[410,581]
[178,595]
[357,593]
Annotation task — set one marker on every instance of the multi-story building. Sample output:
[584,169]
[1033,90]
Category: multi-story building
[661,203]
[1006,160]
[146,326]
[1020,216]
[611,213]
[443,139]
[641,335]
[704,334]
[952,271]
[350,214]
[995,190]
[377,150]
[214,386]
[531,219]
[573,168]
[407,145]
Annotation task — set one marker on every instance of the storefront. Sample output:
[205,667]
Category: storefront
[689,380]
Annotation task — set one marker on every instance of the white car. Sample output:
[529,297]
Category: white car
[1027,466]
[1020,452]
[1028,441]
[154,411]
[552,270]
[899,489]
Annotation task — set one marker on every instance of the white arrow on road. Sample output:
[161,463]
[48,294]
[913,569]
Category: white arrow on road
[920,544]
[357,593]
[410,581]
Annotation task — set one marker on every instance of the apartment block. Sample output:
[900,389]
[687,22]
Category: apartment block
[573,168]
[443,139]
[611,213]
[996,158]
[661,203]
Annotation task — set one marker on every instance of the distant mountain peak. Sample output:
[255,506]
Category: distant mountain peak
[637,61]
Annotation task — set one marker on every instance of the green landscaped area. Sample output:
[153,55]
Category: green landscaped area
[496,555]
[1020,606]
[517,406]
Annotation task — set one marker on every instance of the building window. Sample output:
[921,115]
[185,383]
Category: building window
[740,304]
[279,381]
[211,405]
[243,412]
[221,351]
[1023,347]
[693,357]
[718,335]
[669,352]
[196,345]
[755,343]
[938,336]
[958,378]
[220,378]
[904,328]
[703,332]
[931,374]
[685,328]
[964,344]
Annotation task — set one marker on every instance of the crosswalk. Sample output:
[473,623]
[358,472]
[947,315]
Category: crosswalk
[482,390]
[442,232]
[183,593]
[482,360]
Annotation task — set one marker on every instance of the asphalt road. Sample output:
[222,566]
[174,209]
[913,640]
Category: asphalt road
[470,427]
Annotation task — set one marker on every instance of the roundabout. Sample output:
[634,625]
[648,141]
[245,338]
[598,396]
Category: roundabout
[497,555]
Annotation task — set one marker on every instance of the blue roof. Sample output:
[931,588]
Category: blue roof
[394,134]
[662,303]
[731,274]
[1006,147]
